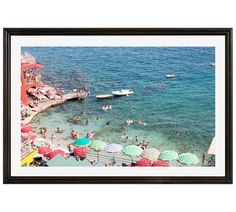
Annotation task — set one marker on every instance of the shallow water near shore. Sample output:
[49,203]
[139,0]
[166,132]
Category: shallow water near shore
[185,105]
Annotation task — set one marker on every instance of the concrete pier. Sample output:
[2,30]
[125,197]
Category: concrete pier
[42,106]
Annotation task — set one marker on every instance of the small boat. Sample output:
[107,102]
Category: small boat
[105,96]
[170,75]
[123,92]
[212,64]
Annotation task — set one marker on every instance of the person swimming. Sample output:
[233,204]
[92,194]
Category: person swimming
[141,123]
[129,121]
[75,134]
[59,130]
[109,123]
[75,118]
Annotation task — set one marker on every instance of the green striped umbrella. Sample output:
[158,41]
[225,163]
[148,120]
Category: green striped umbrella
[97,145]
[188,158]
[132,150]
[151,154]
[81,142]
[168,155]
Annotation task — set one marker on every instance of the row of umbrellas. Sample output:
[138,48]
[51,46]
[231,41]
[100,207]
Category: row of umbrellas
[134,151]
[150,154]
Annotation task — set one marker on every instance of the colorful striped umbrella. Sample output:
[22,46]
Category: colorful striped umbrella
[151,154]
[160,163]
[81,151]
[168,155]
[97,145]
[44,150]
[81,142]
[188,158]
[132,151]
[113,148]
[144,162]
[29,138]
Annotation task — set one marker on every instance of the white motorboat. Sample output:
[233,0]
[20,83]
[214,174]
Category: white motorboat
[212,64]
[170,75]
[123,92]
[105,96]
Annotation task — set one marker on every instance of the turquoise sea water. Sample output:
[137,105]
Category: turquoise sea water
[186,105]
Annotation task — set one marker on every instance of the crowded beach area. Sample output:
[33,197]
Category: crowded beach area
[61,146]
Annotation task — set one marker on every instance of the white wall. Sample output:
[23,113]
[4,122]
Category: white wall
[122,13]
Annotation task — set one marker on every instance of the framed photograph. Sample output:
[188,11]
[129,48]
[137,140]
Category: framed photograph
[118,105]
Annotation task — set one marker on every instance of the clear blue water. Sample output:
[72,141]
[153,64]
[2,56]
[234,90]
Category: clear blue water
[187,104]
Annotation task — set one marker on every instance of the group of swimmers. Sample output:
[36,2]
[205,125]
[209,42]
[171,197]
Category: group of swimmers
[144,144]
[106,107]
[75,134]
[129,121]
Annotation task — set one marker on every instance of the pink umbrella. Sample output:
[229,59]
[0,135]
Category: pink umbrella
[26,129]
[32,137]
[160,163]
[44,150]
[56,152]
[144,162]
[81,151]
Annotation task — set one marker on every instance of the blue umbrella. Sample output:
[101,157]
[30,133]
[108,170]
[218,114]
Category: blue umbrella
[81,142]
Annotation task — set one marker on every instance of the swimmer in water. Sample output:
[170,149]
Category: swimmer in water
[142,123]
[59,130]
[108,123]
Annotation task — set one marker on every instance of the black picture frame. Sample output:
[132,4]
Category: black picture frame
[8,32]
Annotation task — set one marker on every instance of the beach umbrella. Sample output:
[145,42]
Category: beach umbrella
[32,138]
[60,161]
[44,150]
[81,151]
[132,151]
[160,163]
[188,158]
[97,145]
[168,155]
[31,66]
[81,142]
[56,152]
[26,129]
[113,148]
[151,154]
[143,162]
